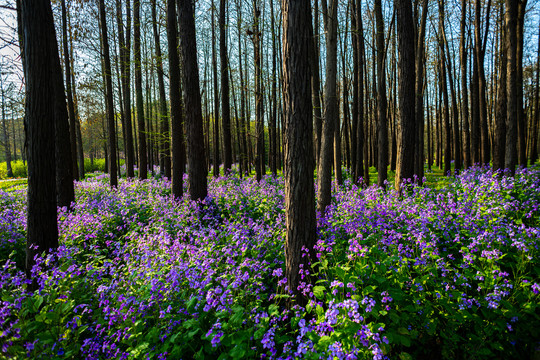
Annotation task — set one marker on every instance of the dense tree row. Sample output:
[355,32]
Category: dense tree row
[299,86]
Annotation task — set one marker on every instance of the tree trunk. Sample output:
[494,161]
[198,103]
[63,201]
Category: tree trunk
[7,150]
[71,107]
[301,230]
[163,143]
[407,97]
[273,98]
[465,96]
[108,97]
[511,16]
[361,144]
[43,110]
[125,71]
[143,159]
[243,122]
[316,85]
[444,86]
[419,100]
[226,108]
[382,127]
[216,95]
[522,130]
[482,104]
[197,173]
[499,145]
[259,124]
[536,121]
[175,98]
[324,173]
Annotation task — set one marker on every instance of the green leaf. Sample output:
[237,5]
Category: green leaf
[405,356]
[319,291]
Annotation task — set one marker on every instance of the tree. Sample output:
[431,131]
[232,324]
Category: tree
[143,159]
[255,33]
[382,130]
[69,93]
[225,102]
[324,172]
[176,102]
[192,101]
[467,161]
[7,149]
[499,137]
[216,96]
[108,96]
[42,75]
[164,148]
[125,70]
[299,192]
[510,159]
[407,94]
[419,158]
[480,50]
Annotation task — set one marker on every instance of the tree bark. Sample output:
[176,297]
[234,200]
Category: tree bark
[536,121]
[510,159]
[7,150]
[164,135]
[175,98]
[382,127]
[225,102]
[299,192]
[259,124]
[482,104]
[324,173]
[499,145]
[108,96]
[419,100]
[197,173]
[71,107]
[444,86]
[42,74]
[522,129]
[407,93]
[465,96]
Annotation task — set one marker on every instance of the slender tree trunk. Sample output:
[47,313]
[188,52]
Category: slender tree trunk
[522,130]
[163,143]
[273,99]
[299,192]
[512,8]
[316,85]
[419,159]
[192,101]
[216,95]
[324,173]
[143,159]
[442,62]
[467,162]
[176,102]
[382,127]
[361,143]
[226,108]
[499,145]
[482,104]
[243,121]
[108,97]
[407,93]
[71,107]
[337,146]
[259,125]
[536,121]
[7,150]
[125,71]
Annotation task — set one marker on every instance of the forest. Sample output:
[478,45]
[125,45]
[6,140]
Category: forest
[293,179]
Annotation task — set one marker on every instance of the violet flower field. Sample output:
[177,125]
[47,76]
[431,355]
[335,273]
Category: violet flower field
[439,273]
